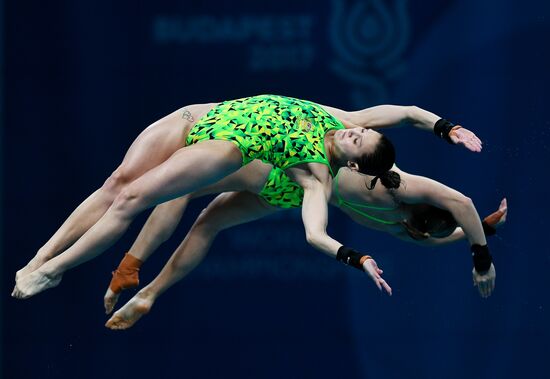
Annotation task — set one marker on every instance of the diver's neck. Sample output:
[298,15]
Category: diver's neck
[332,157]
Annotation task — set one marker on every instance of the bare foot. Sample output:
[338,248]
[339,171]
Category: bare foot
[109,300]
[498,218]
[34,283]
[123,279]
[504,209]
[130,313]
[33,265]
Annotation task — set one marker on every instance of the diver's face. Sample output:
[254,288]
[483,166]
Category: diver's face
[352,144]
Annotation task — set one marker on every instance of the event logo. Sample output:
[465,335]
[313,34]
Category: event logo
[267,42]
[369,38]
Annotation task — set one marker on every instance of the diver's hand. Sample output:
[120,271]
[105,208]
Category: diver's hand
[372,270]
[485,282]
[466,138]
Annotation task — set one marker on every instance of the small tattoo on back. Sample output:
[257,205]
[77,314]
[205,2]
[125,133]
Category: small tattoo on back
[187,115]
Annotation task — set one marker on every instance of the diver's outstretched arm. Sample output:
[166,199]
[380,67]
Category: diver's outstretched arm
[494,220]
[423,190]
[384,116]
[315,219]
[420,189]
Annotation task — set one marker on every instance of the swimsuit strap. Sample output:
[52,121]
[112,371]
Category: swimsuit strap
[353,206]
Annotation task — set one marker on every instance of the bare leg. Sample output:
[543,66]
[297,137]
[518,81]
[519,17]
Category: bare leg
[152,147]
[83,217]
[159,227]
[163,221]
[166,216]
[187,170]
[227,210]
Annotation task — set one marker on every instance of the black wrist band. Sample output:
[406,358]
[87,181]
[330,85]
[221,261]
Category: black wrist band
[442,128]
[349,257]
[488,229]
[482,257]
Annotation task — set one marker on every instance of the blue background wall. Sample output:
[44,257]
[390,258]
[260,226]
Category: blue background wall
[81,79]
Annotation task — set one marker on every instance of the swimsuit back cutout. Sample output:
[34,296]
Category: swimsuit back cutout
[279,130]
[355,206]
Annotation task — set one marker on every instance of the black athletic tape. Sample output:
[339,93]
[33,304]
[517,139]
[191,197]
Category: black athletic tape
[349,257]
[442,128]
[488,229]
[482,258]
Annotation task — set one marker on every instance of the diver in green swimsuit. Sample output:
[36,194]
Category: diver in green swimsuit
[278,130]
[278,191]
[304,138]
[296,135]
[379,208]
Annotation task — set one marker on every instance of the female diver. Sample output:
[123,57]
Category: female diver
[176,156]
[422,211]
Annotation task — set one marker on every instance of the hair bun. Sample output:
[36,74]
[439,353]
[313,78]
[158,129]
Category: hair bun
[390,179]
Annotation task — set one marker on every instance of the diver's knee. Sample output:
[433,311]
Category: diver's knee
[207,223]
[128,202]
[116,181]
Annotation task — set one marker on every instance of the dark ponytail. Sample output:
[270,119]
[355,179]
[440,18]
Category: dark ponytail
[389,179]
[379,164]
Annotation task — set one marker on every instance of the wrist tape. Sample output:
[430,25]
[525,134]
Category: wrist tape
[351,257]
[442,128]
[482,258]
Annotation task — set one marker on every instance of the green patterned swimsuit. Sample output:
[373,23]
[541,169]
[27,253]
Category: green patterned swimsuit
[282,192]
[279,130]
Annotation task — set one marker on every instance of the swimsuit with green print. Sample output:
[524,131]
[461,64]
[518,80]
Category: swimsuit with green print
[279,130]
[282,192]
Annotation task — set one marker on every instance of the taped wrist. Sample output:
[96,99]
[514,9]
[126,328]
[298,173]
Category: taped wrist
[488,229]
[442,128]
[351,257]
[482,258]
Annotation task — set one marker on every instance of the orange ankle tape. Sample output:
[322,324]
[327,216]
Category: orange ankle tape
[126,275]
